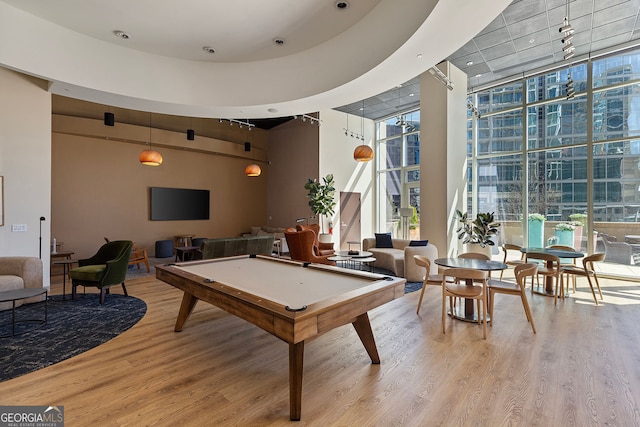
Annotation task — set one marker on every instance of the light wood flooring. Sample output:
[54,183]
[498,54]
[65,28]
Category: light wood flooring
[581,368]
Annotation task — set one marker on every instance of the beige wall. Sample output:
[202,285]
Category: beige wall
[25,163]
[101,190]
[293,158]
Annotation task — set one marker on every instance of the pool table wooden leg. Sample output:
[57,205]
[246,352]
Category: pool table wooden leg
[296,357]
[186,307]
[363,328]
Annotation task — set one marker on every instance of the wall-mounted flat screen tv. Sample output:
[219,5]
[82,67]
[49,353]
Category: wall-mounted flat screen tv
[175,204]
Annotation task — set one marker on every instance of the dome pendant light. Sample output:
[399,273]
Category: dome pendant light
[253,170]
[150,157]
[363,153]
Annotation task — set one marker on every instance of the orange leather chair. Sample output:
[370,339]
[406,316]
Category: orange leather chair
[319,248]
[301,246]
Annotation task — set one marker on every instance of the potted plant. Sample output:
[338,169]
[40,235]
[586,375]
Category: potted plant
[579,220]
[321,197]
[564,232]
[479,231]
[535,235]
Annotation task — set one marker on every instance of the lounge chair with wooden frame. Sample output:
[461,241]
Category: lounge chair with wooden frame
[139,256]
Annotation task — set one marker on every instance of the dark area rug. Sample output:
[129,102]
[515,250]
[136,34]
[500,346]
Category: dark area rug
[408,286]
[72,327]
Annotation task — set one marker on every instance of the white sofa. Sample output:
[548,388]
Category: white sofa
[399,259]
[20,272]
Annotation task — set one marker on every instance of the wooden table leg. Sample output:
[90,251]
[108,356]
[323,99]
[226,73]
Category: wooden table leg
[186,307]
[296,357]
[548,281]
[363,328]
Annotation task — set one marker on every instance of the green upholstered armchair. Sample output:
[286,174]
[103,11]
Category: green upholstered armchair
[106,268]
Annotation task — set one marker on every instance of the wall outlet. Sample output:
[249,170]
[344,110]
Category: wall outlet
[18,227]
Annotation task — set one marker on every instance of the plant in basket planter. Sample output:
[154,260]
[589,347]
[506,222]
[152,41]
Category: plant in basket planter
[479,231]
[321,197]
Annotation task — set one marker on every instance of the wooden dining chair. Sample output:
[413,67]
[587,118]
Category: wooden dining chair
[549,268]
[510,259]
[429,279]
[474,255]
[522,271]
[470,284]
[587,270]
[566,262]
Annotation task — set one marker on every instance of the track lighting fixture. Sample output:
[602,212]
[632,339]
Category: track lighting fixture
[240,123]
[568,49]
[441,77]
[569,87]
[305,117]
[566,28]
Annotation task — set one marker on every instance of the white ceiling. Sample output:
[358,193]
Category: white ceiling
[330,56]
[522,38]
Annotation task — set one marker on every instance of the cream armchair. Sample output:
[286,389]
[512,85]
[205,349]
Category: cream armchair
[20,272]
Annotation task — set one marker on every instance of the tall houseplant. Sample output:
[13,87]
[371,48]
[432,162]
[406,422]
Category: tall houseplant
[479,231]
[321,197]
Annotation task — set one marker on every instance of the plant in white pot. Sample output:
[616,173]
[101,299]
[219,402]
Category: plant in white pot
[321,198]
[480,231]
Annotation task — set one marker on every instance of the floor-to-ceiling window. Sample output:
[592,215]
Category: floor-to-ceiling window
[398,174]
[577,128]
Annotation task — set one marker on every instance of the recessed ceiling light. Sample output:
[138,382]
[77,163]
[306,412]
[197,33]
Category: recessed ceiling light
[272,110]
[278,41]
[342,5]
[478,75]
[209,49]
[532,40]
[469,63]
[121,34]
[412,94]
[419,56]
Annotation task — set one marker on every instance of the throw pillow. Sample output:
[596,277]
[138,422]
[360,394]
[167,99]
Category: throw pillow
[254,230]
[383,240]
[418,243]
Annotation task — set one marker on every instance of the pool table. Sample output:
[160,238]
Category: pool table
[291,300]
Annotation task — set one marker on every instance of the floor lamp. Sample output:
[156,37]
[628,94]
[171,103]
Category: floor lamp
[40,249]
